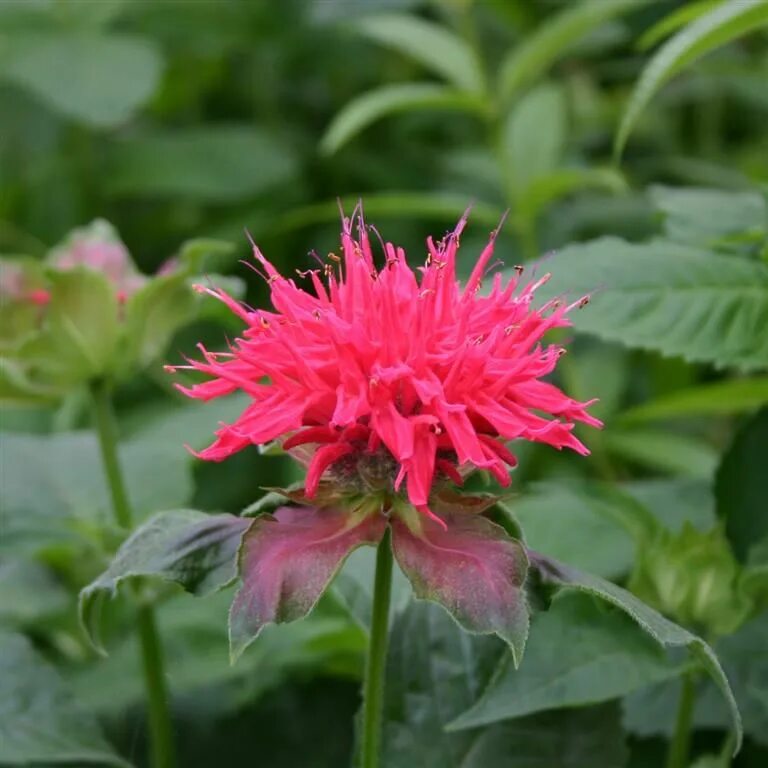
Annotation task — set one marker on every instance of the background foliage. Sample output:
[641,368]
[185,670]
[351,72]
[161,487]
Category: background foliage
[627,136]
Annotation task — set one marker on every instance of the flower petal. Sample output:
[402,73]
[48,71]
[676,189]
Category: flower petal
[286,562]
[472,568]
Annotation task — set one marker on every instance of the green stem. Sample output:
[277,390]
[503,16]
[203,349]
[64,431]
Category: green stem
[681,739]
[160,726]
[373,692]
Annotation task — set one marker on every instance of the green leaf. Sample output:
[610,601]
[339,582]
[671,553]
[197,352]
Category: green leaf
[154,313]
[579,654]
[385,100]
[435,671]
[664,632]
[81,329]
[432,45]
[534,136]
[53,488]
[553,39]
[202,254]
[717,399]
[29,593]
[744,656]
[741,486]
[673,21]
[664,451]
[563,182]
[67,72]
[727,22]
[674,501]
[216,164]
[192,549]
[196,652]
[710,217]
[39,720]
[669,298]
[594,541]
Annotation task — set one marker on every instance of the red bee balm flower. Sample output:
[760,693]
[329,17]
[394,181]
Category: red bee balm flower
[387,377]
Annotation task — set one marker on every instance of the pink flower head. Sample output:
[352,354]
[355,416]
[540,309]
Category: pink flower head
[394,370]
[99,248]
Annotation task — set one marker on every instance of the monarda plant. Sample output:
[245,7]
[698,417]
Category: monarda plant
[391,385]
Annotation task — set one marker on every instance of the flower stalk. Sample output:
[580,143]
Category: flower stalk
[680,745]
[160,727]
[373,691]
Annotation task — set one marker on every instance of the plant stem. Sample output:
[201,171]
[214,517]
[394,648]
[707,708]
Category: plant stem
[681,739]
[373,692]
[160,726]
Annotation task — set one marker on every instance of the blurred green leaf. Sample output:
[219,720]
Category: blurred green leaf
[435,47]
[675,501]
[194,633]
[665,451]
[215,163]
[39,720]
[711,217]
[385,100]
[563,182]
[718,398]
[29,592]
[195,550]
[673,21]
[67,72]
[206,255]
[741,486]
[552,40]
[667,634]
[606,657]
[154,313]
[727,22]
[534,136]
[594,541]
[667,297]
[53,489]
[430,682]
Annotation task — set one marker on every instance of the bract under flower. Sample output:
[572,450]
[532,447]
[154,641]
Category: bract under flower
[406,365]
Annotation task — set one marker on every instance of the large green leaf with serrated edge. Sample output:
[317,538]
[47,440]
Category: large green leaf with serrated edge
[727,22]
[435,671]
[40,722]
[190,548]
[558,576]
[432,45]
[676,300]
[606,657]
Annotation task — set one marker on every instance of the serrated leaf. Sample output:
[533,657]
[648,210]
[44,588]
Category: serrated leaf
[667,297]
[551,41]
[741,486]
[435,47]
[66,71]
[386,100]
[664,632]
[578,654]
[39,720]
[717,399]
[193,549]
[727,22]
[471,556]
[288,560]
[435,671]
